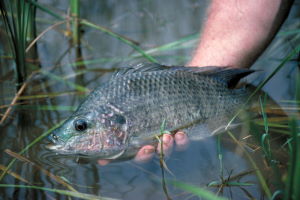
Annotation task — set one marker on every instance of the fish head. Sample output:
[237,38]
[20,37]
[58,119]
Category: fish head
[91,134]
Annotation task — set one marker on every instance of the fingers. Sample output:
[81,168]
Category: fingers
[147,151]
[144,154]
[167,145]
[181,140]
[103,162]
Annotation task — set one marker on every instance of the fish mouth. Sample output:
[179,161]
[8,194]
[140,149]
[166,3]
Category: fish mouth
[86,145]
[54,147]
[86,152]
[103,144]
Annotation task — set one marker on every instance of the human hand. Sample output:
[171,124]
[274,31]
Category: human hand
[147,151]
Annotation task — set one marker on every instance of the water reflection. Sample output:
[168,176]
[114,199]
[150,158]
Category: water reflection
[198,165]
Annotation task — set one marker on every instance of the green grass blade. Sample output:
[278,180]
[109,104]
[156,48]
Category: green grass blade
[265,138]
[285,60]
[46,10]
[276,193]
[29,146]
[70,84]
[264,115]
[174,45]
[297,92]
[122,39]
[169,46]
[47,107]
[259,175]
[74,4]
[230,183]
[262,84]
[202,193]
[239,184]
[47,95]
[293,180]
[292,32]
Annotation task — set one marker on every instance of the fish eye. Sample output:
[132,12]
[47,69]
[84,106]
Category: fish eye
[80,124]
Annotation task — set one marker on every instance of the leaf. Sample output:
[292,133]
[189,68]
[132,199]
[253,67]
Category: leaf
[200,192]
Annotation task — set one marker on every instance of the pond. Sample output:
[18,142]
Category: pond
[63,75]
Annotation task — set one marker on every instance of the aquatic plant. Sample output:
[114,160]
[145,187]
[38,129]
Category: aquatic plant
[19,19]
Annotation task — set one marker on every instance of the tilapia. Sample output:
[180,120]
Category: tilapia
[127,111]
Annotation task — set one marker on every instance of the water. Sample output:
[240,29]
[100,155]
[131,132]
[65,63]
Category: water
[152,24]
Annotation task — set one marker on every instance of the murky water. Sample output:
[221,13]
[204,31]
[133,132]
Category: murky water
[151,24]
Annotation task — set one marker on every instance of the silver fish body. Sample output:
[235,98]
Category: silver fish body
[125,113]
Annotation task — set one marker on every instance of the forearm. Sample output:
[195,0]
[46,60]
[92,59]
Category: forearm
[237,31]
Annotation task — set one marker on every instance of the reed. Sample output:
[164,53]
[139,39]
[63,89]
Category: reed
[18,17]
[266,146]
[292,182]
[74,4]
[292,185]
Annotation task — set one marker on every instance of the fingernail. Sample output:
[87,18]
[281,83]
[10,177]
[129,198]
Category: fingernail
[103,162]
[166,139]
[179,135]
[148,151]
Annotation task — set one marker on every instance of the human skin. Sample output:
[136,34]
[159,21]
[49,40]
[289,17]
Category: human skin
[235,33]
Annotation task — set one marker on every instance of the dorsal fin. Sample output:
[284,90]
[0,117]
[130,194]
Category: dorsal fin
[232,75]
[229,75]
[151,67]
[141,67]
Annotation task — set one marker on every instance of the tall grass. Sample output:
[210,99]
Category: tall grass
[293,176]
[74,4]
[18,17]
[292,182]
[266,145]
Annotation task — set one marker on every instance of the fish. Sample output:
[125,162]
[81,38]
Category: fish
[128,111]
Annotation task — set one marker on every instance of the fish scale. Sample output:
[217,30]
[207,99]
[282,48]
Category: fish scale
[152,91]
[129,108]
